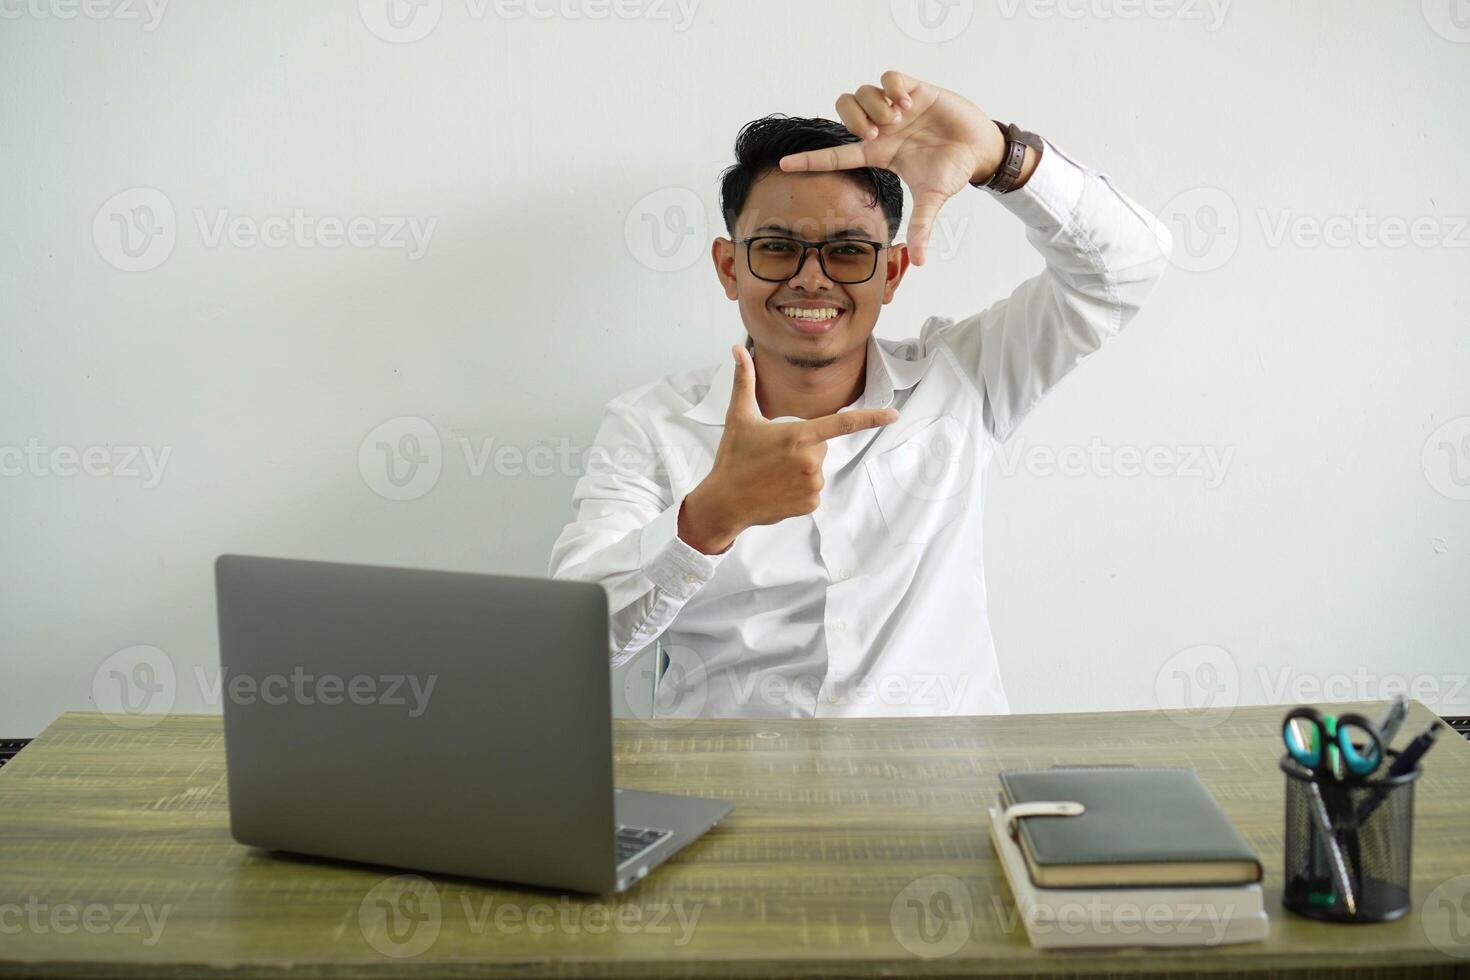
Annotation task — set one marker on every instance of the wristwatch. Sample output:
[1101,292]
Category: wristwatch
[1003,181]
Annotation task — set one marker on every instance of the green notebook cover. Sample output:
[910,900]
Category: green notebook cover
[1141,827]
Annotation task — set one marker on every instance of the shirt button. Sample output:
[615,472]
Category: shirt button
[845,574]
[838,626]
[691,578]
[831,699]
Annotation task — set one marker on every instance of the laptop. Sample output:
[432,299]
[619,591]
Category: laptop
[434,721]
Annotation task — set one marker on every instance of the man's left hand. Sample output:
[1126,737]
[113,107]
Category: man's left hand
[937,142]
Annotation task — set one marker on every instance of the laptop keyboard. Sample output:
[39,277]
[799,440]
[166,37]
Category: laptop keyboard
[633,841]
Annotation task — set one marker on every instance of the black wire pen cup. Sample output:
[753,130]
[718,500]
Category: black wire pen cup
[1358,871]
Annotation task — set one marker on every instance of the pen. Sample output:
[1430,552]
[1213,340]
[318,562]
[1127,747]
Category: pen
[1388,726]
[1329,842]
[1408,759]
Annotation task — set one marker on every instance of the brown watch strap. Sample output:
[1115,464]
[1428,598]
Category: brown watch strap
[1003,181]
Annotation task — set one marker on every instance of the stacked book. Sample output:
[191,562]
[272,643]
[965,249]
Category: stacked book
[1124,856]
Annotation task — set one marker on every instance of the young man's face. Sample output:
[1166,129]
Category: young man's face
[812,207]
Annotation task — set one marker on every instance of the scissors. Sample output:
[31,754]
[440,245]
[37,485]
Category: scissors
[1334,747]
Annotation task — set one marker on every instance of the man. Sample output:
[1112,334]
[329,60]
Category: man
[801,525]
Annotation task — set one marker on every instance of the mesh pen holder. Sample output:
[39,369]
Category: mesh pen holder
[1360,871]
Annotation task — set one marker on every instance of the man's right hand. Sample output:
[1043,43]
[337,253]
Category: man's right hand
[764,471]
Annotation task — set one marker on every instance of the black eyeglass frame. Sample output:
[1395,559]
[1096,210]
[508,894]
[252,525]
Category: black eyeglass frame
[821,261]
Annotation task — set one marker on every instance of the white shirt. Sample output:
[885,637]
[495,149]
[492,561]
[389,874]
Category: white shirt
[873,605]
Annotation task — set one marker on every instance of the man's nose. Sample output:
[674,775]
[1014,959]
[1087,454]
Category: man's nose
[810,273]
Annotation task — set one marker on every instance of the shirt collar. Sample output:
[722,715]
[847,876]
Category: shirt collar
[887,374]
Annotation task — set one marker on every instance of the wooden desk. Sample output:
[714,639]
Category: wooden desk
[833,821]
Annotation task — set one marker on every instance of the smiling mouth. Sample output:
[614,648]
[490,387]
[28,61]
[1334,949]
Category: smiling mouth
[816,320]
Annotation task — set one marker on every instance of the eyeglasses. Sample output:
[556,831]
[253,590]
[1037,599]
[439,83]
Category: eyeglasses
[775,258]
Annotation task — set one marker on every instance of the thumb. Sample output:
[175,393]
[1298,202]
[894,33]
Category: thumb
[743,404]
[926,209]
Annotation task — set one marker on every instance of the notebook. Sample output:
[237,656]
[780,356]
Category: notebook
[1141,828]
[1069,918]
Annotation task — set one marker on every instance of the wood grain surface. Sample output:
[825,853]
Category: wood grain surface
[857,848]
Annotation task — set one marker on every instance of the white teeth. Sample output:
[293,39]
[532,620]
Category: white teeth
[824,314]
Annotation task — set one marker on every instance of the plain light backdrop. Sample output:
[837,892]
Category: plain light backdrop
[216,313]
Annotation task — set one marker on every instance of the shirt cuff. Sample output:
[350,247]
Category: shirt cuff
[1052,193]
[669,561]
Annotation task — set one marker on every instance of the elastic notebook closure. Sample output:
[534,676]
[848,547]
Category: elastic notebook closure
[1043,808]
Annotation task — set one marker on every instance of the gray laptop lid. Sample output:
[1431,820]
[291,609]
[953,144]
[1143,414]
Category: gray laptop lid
[439,721]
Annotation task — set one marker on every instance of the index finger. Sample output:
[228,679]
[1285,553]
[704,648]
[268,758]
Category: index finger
[846,156]
[897,86]
[845,423]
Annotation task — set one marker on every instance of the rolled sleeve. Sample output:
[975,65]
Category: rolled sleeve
[671,563]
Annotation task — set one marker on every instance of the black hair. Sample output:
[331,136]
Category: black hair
[762,143]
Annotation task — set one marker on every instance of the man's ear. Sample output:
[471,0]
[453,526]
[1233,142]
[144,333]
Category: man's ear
[895,264]
[723,254]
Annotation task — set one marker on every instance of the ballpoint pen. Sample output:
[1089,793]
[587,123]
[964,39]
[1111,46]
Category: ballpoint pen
[1329,840]
[1388,725]
[1408,759]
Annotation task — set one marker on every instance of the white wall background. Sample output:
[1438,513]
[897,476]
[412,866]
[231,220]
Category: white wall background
[1329,560]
